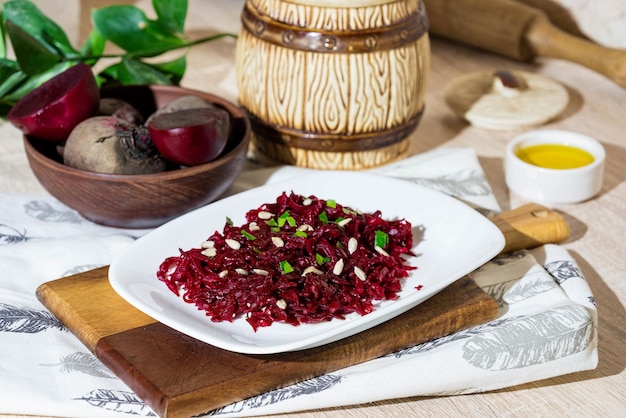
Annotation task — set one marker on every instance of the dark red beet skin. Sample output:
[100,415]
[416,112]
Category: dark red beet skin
[190,136]
[52,110]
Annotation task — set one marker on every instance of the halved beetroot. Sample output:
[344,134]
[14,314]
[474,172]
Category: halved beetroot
[53,109]
[191,136]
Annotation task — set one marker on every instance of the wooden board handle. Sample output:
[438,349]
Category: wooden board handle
[519,31]
[529,226]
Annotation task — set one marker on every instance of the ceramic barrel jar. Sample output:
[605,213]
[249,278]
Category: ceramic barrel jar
[333,84]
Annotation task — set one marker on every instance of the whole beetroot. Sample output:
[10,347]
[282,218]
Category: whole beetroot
[121,109]
[182,103]
[52,110]
[106,144]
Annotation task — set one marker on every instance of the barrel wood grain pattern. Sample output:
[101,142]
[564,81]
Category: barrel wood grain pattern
[339,19]
[270,152]
[362,99]
[287,108]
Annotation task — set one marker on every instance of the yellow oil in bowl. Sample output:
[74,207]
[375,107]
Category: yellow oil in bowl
[555,156]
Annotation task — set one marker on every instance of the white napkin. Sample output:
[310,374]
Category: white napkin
[454,171]
[45,370]
[546,328]
[547,325]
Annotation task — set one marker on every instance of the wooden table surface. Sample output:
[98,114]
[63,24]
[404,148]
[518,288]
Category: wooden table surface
[597,108]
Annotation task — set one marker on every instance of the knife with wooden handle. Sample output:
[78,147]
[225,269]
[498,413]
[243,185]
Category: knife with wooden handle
[520,31]
[529,226]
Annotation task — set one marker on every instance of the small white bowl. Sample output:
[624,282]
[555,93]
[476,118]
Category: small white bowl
[551,185]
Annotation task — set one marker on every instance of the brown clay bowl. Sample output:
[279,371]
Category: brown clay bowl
[147,200]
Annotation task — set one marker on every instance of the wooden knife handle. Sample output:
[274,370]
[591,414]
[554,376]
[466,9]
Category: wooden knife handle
[529,226]
[519,31]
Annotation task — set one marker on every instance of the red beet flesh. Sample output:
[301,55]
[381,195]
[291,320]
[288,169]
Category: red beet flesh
[190,136]
[52,110]
[250,280]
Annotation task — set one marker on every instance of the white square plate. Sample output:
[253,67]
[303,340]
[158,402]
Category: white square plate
[450,240]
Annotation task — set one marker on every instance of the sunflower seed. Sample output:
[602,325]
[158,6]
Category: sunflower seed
[344,221]
[281,303]
[380,251]
[265,214]
[360,273]
[311,269]
[278,241]
[261,272]
[234,244]
[209,252]
[338,267]
[353,244]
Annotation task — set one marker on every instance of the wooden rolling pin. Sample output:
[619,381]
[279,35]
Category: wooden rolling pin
[519,31]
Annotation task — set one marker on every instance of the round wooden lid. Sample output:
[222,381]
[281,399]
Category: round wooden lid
[503,100]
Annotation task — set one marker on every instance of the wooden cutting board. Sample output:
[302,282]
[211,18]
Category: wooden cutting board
[178,376]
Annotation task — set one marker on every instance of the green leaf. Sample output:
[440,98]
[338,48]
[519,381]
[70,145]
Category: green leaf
[381,239]
[7,69]
[10,84]
[174,69]
[108,75]
[35,81]
[129,28]
[31,20]
[93,47]
[131,71]
[4,110]
[320,259]
[248,235]
[33,56]
[171,15]
[286,267]
[3,44]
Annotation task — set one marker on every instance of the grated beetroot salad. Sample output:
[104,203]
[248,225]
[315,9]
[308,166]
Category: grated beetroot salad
[298,260]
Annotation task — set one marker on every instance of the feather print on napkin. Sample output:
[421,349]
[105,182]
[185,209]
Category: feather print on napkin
[467,182]
[563,270]
[308,387]
[118,401]
[44,211]
[531,340]
[438,342]
[10,235]
[80,269]
[517,290]
[27,320]
[83,363]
